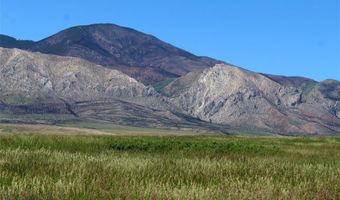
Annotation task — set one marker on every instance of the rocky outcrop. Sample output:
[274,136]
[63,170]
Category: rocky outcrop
[40,84]
[102,71]
[230,95]
[33,77]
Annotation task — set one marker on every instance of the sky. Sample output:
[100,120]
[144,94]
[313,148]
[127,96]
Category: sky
[283,37]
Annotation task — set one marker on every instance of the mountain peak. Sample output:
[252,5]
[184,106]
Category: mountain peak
[193,89]
[142,56]
[225,94]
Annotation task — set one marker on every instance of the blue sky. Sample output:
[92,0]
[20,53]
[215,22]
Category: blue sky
[286,37]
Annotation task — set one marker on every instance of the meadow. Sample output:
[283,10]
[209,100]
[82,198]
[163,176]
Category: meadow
[47,162]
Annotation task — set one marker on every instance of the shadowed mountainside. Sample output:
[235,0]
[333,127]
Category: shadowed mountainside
[10,42]
[141,56]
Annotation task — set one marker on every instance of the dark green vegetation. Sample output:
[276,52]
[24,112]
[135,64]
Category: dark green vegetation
[9,42]
[159,86]
[331,89]
[168,167]
[308,88]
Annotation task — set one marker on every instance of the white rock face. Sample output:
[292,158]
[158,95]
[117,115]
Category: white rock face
[223,94]
[43,77]
[229,95]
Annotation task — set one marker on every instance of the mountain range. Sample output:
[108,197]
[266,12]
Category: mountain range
[112,74]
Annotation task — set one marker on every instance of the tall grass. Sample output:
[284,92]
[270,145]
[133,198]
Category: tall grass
[168,167]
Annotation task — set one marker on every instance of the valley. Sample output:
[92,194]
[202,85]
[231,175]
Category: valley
[169,100]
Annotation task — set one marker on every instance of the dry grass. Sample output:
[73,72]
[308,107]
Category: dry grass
[78,129]
[51,166]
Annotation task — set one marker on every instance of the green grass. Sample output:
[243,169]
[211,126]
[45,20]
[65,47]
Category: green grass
[162,84]
[104,126]
[130,130]
[35,166]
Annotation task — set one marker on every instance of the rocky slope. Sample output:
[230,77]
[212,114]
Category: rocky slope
[44,85]
[34,77]
[230,95]
[102,71]
[141,56]
[223,98]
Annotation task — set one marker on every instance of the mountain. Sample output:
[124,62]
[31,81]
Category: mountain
[226,94]
[35,84]
[47,78]
[103,73]
[10,42]
[141,56]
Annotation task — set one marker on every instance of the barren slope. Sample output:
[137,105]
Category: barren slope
[230,95]
[33,77]
[141,56]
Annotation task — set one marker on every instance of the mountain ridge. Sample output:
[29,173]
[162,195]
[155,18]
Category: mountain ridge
[141,56]
[199,92]
[10,42]
[43,84]
[227,94]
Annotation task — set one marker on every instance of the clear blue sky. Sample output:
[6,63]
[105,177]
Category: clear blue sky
[287,37]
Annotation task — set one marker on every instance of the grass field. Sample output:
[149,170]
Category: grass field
[43,162]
